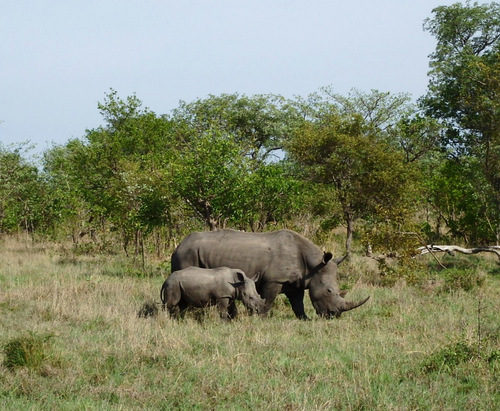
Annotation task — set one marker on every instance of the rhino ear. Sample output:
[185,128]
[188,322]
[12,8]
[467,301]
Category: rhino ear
[240,276]
[237,285]
[327,257]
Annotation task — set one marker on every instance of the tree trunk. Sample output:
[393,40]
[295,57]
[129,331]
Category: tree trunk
[212,224]
[350,230]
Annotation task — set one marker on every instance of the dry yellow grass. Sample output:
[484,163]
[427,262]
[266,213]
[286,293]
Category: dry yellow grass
[102,355]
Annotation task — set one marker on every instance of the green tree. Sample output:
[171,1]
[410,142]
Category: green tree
[272,194]
[74,213]
[259,124]
[367,174]
[464,94]
[24,200]
[359,146]
[463,199]
[417,135]
[227,171]
[464,86]
[210,176]
[379,110]
[118,170]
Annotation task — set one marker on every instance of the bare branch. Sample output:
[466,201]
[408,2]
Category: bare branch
[450,249]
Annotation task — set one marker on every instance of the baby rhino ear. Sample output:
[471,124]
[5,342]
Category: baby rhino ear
[241,279]
[240,276]
[238,285]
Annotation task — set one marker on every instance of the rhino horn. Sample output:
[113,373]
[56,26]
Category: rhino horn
[349,305]
[339,260]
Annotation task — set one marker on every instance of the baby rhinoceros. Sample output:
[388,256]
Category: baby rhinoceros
[200,287]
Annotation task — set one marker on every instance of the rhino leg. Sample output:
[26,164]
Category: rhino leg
[172,300]
[233,312]
[178,310]
[183,307]
[223,305]
[269,292]
[174,311]
[296,298]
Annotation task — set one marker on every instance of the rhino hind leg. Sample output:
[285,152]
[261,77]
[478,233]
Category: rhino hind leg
[269,293]
[173,301]
[174,311]
[178,310]
[182,307]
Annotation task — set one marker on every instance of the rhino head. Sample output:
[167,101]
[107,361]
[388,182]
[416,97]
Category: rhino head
[248,294]
[326,298]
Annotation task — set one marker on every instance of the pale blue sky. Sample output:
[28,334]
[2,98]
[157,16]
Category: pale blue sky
[59,58]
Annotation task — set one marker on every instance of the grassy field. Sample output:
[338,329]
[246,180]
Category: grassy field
[71,338]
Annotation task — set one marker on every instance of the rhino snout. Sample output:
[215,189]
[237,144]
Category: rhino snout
[256,304]
[259,304]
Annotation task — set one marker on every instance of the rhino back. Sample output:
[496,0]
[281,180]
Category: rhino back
[274,256]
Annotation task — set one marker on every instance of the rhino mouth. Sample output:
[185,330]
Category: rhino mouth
[329,314]
[252,310]
[256,309]
[333,314]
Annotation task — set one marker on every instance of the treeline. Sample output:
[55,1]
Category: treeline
[376,162]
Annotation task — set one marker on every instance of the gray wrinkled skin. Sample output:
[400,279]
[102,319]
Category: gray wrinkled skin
[282,261]
[200,287]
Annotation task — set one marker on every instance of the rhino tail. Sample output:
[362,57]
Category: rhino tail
[349,305]
[162,296]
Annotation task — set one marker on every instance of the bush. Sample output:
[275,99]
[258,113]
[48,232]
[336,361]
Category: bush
[460,279]
[456,353]
[27,351]
[448,357]
[149,309]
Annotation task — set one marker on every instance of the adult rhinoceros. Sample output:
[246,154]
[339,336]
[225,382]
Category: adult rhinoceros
[279,262]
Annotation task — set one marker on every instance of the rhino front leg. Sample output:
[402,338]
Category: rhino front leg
[225,311]
[296,298]
[232,310]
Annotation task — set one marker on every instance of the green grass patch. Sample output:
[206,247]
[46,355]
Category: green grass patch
[30,351]
[83,336]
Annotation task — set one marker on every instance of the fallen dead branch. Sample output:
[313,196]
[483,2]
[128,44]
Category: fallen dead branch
[451,249]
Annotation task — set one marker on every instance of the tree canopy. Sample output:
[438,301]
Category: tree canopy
[363,159]
[348,151]
[464,95]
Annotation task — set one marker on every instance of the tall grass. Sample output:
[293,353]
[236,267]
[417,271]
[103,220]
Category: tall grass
[75,322]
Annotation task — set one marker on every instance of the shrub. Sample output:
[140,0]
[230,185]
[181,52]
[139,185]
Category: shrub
[448,357]
[27,351]
[462,279]
[456,353]
[149,309]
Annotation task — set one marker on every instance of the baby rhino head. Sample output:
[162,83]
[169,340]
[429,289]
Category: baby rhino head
[247,293]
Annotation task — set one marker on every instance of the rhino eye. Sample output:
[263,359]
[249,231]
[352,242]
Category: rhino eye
[329,291]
